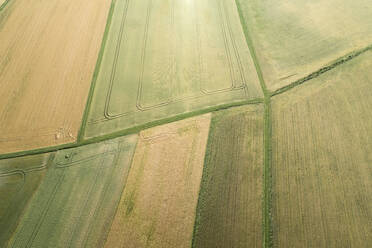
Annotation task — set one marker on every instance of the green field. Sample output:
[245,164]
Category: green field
[294,38]
[164,58]
[77,199]
[322,174]
[19,179]
[229,212]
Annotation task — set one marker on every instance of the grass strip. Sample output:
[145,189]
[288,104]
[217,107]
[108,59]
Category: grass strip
[132,130]
[322,70]
[96,71]
[4,4]
[266,204]
[267,176]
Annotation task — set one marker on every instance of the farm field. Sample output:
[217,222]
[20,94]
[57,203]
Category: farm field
[157,208]
[322,174]
[165,58]
[48,51]
[229,212]
[19,179]
[294,38]
[185,123]
[78,197]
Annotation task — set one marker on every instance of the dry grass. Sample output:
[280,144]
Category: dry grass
[157,208]
[322,174]
[229,210]
[48,50]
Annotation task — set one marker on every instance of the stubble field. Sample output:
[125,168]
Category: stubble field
[48,53]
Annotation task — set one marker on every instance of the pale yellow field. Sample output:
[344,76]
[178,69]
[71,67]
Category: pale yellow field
[48,51]
[294,38]
[322,173]
[157,208]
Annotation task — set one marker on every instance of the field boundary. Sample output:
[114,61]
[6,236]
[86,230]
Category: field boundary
[95,73]
[267,228]
[4,4]
[333,64]
[131,130]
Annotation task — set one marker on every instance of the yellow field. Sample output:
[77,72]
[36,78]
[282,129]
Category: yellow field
[48,51]
[322,174]
[157,208]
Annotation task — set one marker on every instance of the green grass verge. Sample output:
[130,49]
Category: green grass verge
[267,177]
[4,4]
[132,130]
[322,70]
[96,71]
[266,205]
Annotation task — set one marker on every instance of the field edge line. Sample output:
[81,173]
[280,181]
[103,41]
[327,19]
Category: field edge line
[2,6]
[95,73]
[330,66]
[204,177]
[128,131]
[266,198]
[267,177]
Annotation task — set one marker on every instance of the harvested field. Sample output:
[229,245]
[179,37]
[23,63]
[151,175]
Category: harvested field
[322,174]
[48,50]
[77,199]
[165,58]
[157,208]
[229,212]
[19,179]
[293,38]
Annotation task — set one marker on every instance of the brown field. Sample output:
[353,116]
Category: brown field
[48,51]
[157,208]
[322,174]
[229,212]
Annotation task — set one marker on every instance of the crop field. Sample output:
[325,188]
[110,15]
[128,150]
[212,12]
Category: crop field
[78,197]
[48,50]
[19,179]
[322,174]
[164,58]
[185,123]
[294,38]
[229,212]
[157,208]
